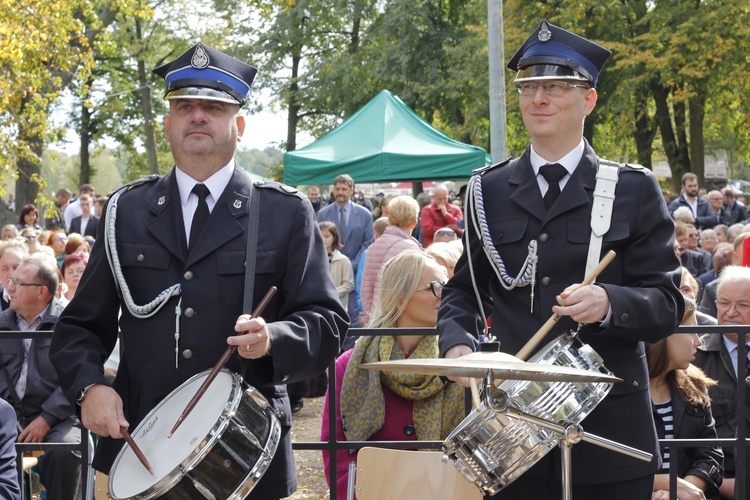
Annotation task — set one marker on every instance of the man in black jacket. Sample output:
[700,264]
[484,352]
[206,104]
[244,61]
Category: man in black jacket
[180,241]
[689,198]
[535,224]
[718,357]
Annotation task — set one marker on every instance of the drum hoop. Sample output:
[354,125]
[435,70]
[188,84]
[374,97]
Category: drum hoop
[194,458]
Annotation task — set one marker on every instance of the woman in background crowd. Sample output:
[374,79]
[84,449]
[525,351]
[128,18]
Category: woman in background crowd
[76,243]
[682,410]
[29,217]
[72,269]
[57,240]
[402,218]
[387,406]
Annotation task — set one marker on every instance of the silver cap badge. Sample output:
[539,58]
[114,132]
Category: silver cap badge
[200,58]
[545,35]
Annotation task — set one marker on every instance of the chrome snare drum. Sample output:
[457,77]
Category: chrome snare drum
[220,451]
[492,449]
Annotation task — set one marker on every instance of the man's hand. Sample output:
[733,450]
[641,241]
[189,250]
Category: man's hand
[584,304]
[101,412]
[253,341]
[443,208]
[35,432]
[456,352]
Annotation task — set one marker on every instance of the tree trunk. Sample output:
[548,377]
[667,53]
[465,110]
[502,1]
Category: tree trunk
[697,110]
[27,185]
[680,125]
[147,109]
[668,139]
[294,106]
[84,176]
[644,130]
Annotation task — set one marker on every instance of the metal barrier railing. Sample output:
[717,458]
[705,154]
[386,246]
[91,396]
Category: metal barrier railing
[740,443]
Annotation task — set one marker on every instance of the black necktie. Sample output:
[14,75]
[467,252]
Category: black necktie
[201,213]
[552,173]
[342,225]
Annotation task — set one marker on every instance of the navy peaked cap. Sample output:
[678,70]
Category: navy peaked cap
[551,52]
[205,73]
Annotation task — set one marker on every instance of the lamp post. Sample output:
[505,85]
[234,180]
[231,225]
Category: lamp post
[498,144]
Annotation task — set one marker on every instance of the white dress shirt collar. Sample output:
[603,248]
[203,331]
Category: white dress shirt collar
[215,184]
[570,161]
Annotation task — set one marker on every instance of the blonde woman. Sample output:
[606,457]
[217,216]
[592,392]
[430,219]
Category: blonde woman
[385,406]
[402,219]
[446,253]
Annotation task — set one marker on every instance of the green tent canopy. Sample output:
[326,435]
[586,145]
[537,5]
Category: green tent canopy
[385,141]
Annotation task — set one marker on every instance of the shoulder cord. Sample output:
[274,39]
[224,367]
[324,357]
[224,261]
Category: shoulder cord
[110,246]
[527,274]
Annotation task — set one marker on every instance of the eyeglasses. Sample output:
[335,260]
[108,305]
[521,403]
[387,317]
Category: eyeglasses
[30,238]
[550,88]
[58,239]
[15,282]
[742,307]
[435,287]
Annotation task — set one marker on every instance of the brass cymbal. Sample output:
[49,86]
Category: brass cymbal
[504,366]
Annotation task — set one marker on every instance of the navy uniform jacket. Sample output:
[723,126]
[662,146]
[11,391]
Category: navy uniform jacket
[305,318]
[641,283]
[8,474]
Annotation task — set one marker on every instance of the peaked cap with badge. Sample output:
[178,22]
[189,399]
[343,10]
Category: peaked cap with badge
[205,73]
[552,53]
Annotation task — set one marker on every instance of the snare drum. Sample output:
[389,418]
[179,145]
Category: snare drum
[220,451]
[492,449]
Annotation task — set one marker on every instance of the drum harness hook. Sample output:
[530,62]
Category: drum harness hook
[143,311]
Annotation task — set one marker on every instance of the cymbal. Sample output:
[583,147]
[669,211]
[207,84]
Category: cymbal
[504,366]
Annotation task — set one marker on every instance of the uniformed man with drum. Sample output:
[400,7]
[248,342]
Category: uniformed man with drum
[171,257]
[527,247]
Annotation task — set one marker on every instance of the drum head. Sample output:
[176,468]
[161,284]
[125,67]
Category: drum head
[129,477]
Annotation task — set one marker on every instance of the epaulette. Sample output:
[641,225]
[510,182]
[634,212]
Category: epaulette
[281,188]
[625,166]
[136,183]
[483,170]
[142,180]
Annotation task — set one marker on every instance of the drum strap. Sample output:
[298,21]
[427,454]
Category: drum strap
[607,175]
[252,244]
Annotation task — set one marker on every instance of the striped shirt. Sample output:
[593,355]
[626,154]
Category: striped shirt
[665,422]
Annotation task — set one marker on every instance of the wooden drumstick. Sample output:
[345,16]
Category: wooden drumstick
[547,326]
[136,450]
[219,365]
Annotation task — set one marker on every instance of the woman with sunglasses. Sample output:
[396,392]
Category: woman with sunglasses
[388,406]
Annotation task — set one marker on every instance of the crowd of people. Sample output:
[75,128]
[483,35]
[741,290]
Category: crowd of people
[440,260]
[41,264]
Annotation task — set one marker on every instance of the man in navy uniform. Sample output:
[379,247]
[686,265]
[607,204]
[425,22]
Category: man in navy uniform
[527,216]
[179,250]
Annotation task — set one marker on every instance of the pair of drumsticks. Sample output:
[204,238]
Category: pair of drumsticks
[545,328]
[201,390]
